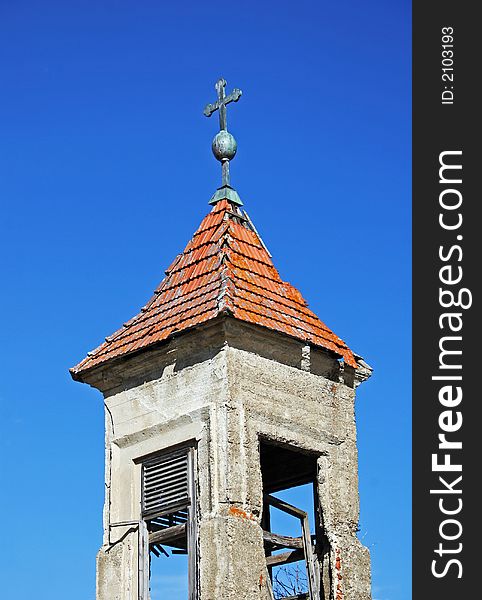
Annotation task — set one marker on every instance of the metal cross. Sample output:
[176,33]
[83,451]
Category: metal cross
[222,102]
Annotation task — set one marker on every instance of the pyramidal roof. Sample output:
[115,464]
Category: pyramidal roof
[224,270]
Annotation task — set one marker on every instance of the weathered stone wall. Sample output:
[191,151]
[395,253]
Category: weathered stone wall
[225,386]
[314,411]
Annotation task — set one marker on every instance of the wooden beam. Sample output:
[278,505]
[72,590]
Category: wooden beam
[164,536]
[285,507]
[282,541]
[276,560]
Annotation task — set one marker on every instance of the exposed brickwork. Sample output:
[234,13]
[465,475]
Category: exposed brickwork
[338,576]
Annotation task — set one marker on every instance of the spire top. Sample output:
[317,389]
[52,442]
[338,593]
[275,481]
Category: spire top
[224,145]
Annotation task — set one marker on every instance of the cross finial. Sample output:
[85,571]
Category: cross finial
[224,145]
[222,102]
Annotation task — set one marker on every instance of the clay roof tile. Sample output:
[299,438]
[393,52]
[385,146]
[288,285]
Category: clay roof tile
[224,267]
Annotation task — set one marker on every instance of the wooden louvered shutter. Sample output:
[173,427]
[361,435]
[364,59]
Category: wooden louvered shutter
[166,483]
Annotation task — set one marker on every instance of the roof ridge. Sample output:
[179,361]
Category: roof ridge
[225,298]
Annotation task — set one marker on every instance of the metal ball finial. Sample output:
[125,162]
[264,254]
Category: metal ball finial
[224,146]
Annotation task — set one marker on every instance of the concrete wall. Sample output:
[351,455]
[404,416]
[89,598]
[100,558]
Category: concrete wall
[225,386]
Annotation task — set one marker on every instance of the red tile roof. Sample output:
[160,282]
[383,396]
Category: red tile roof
[224,269]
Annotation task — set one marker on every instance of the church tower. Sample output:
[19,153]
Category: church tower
[221,393]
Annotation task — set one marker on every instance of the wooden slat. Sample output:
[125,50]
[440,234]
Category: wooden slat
[155,513]
[167,459]
[143,543]
[285,507]
[282,541]
[165,497]
[165,535]
[162,469]
[165,482]
[277,560]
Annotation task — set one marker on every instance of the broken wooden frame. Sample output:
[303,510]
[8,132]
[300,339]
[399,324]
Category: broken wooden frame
[301,548]
[284,467]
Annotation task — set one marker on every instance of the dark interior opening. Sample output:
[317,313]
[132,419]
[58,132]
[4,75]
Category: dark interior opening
[283,467]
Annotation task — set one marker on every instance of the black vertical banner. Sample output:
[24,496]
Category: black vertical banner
[447,340]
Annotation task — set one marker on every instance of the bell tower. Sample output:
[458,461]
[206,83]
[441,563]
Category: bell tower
[221,393]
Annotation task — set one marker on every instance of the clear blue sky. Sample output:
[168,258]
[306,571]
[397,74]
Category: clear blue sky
[106,171]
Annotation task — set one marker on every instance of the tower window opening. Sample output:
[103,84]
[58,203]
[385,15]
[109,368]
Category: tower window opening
[168,500]
[296,548]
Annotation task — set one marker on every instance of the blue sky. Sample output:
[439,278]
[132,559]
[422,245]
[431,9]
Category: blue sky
[106,171]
